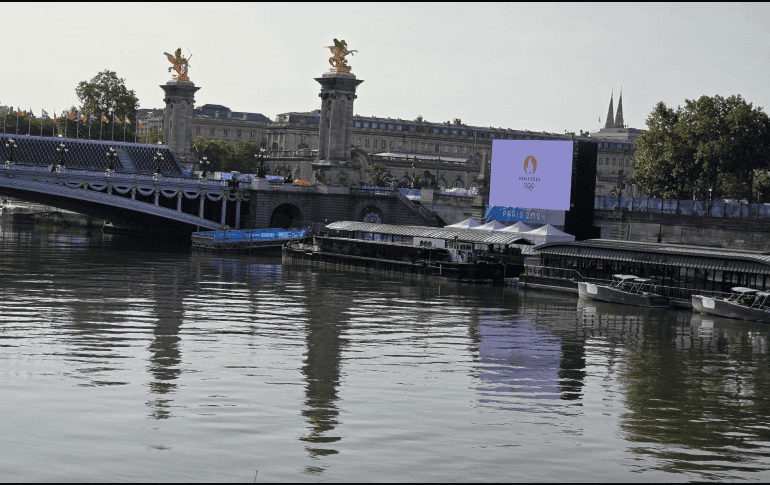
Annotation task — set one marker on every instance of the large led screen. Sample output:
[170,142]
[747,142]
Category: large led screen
[531,173]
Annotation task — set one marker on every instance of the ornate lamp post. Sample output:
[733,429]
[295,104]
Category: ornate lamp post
[10,146]
[62,151]
[158,159]
[233,182]
[261,159]
[204,165]
[413,177]
[111,156]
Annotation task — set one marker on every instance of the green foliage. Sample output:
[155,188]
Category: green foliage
[716,143]
[244,160]
[376,172]
[226,158]
[106,94]
[153,135]
[27,125]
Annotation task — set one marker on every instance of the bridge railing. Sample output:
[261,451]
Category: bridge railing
[720,209]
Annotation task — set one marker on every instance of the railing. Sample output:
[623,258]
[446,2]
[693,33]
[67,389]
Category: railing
[424,213]
[720,209]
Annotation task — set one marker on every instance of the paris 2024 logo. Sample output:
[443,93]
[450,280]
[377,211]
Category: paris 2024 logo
[530,167]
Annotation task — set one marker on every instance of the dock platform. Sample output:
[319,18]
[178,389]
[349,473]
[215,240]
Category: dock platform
[245,239]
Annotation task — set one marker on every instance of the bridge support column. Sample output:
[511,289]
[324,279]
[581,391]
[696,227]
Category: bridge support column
[203,197]
[133,193]
[179,201]
[238,213]
[224,208]
[157,193]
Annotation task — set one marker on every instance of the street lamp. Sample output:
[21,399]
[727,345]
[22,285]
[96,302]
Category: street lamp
[660,225]
[413,176]
[62,151]
[204,165]
[260,156]
[111,156]
[10,146]
[233,182]
[157,161]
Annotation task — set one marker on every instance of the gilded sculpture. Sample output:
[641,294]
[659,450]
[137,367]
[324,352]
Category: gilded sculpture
[338,61]
[180,65]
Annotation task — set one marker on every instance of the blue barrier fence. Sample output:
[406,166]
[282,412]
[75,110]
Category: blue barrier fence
[730,210]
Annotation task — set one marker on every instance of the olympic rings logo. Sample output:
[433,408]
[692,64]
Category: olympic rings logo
[529,186]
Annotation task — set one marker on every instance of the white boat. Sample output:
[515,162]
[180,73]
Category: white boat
[625,289]
[743,304]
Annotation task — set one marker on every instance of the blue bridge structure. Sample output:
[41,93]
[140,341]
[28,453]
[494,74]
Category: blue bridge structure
[143,187]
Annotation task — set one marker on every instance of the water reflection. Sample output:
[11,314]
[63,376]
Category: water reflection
[324,341]
[696,384]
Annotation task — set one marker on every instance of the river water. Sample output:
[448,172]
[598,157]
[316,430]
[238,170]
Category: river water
[121,361]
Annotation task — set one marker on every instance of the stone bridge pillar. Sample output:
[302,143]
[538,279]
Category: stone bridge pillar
[335,131]
[178,117]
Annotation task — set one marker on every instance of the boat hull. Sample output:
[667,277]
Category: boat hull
[713,306]
[612,295]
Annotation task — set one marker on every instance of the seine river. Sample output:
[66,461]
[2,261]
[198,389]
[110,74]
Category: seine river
[121,361]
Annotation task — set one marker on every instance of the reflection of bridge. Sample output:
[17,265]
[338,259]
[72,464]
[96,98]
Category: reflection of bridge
[130,197]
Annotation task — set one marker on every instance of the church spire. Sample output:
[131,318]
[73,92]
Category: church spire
[619,116]
[610,123]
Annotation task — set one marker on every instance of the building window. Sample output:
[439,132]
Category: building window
[366,142]
[399,145]
[600,161]
[383,143]
[238,133]
[455,149]
[374,143]
[607,160]
[414,147]
[628,162]
[391,143]
[399,127]
[211,132]
[198,130]
[358,124]
[390,127]
[454,132]
[358,142]
[366,125]
[251,134]
[225,131]
[446,148]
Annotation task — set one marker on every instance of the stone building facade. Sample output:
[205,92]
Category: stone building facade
[445,153]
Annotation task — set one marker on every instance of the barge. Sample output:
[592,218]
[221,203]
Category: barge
[246,239]
[426,251]
[624,289]
[681,271]
[744,304]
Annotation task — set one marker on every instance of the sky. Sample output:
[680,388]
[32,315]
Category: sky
[539,67]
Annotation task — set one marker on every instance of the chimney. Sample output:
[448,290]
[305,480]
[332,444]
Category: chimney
[457,121]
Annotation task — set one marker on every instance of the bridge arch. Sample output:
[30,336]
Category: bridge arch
[371,210]
[286,215]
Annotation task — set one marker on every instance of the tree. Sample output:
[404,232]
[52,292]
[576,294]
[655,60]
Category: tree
[243,157]
[220,153]
[152,136]
[716,143]
[106,94]
[376,172]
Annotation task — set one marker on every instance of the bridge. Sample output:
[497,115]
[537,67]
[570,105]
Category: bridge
[130,194]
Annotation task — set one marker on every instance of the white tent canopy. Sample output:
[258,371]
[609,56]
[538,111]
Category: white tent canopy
[489,226]
[466,224]
[518,227]
[544,235]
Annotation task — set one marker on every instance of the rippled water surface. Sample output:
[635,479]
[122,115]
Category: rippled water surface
[122,361]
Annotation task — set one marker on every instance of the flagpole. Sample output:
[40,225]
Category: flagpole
[101,126]
[113,126]
[124,128]
[65,124]
[89,126]
[17,123]
[77,128]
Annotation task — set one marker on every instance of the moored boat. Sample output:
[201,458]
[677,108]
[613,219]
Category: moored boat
[743,304]
[625,289]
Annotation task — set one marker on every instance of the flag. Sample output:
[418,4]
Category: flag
[54,115]
[72,115]
[128,122]
[21,113]
[115,118]
[84,118]
[104,118]
[31,113]
[141,125]
[65,114]
[45,114]
[94,118]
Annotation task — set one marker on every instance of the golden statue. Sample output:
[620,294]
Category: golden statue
[180,65]
[339,51]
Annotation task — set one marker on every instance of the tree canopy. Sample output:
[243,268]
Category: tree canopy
[716,143]
[226,158]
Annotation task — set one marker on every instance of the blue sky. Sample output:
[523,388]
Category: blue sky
[542,67]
